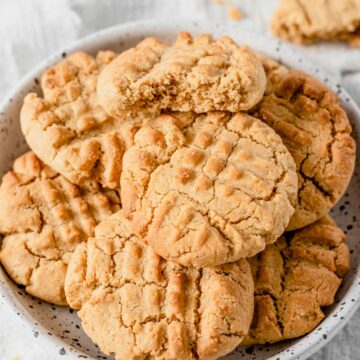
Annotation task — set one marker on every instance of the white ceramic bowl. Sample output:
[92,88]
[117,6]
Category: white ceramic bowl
[60,327]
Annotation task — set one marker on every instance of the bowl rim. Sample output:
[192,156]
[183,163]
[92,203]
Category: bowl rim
[306,345]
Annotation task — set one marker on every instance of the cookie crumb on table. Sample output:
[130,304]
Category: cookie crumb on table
[233,12]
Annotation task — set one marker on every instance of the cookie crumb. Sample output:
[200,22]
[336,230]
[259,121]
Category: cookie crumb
[354,42]
[234,13]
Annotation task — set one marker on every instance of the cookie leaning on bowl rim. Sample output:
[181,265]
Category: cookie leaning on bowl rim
[193,74]
[43,217]
[295,279]
[316,130]
[134,304]
[69,130]
[208,189]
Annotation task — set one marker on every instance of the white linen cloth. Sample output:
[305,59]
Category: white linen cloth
[30,30]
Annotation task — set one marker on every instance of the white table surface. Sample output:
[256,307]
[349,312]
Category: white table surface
[32,29]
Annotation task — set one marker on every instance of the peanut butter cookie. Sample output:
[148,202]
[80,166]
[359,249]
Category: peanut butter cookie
[69,130]
[295,278]
[136,305]
[194,74]
[307,21]
[273,70]
[316,130]
[208,189]
[43,217]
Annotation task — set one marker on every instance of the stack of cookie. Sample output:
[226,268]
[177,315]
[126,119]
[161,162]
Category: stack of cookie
[177,195]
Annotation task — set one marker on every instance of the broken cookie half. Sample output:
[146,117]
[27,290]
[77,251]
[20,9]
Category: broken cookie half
[194,74]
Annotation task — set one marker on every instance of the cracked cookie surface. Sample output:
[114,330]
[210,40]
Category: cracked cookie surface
[316,130]
[43,217]
[273,70]
[305,21]
[194,74]
[136,305]
[208,189]
[70,131]
[295,279]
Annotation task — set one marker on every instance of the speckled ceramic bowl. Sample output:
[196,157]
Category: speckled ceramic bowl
[60,327]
